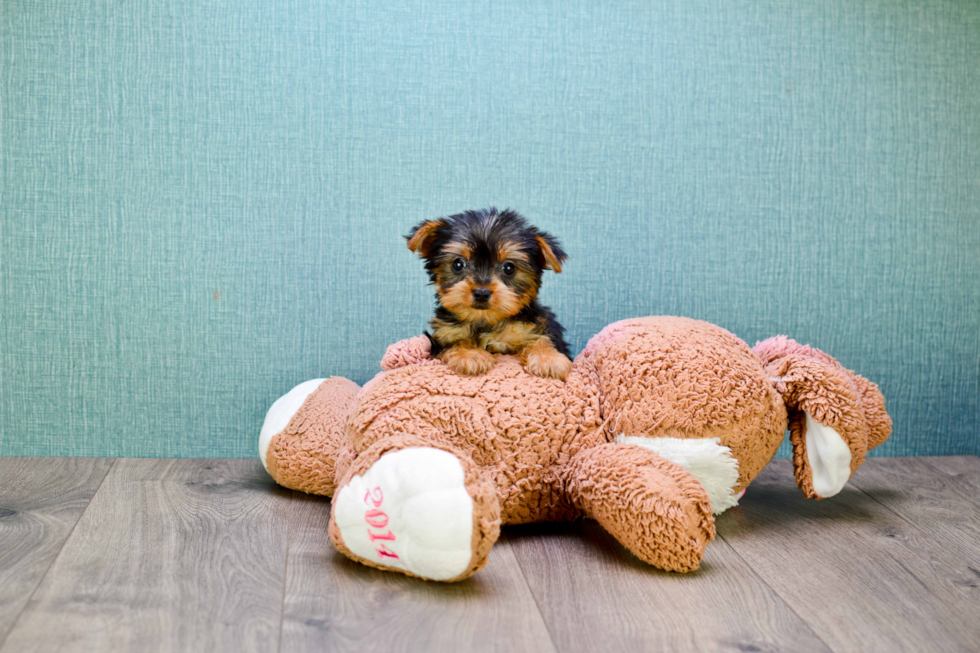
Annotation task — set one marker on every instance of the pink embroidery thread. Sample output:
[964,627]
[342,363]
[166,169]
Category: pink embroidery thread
[376,518]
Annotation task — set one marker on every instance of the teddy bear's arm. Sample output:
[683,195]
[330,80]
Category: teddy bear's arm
[410,351]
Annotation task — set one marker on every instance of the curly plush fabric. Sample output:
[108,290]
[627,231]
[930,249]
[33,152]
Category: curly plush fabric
[520,429]
[811,382]
[654,507]
[682,378]
[303,457]
[599,444]
[406,352]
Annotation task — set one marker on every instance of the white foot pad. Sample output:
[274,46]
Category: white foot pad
[410,510]
[282,412]
[706,459]
[829,458]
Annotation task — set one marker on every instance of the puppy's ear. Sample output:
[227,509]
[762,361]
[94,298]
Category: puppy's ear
[424,236]
[552,254]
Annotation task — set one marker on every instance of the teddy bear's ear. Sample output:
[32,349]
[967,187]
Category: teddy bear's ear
[424,236]
[879,423]
[551,253]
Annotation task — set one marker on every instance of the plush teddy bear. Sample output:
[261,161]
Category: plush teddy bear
[661,423]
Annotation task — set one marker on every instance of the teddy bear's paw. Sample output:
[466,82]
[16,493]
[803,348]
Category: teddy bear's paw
[281,413]
[410,510]
[547,362]
[468,361]
[406,352]
[829,457]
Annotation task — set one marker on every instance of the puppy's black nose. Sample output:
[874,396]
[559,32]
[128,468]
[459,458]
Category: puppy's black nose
[481,295]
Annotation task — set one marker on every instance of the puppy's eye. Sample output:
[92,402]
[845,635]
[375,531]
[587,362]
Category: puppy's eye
[459,265]
[509,269]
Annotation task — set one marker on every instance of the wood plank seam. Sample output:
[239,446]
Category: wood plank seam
[54,559]
[904,519]
[775,592]
[285,574]
[938,468]
[178,553]
[910,574]
[537,605]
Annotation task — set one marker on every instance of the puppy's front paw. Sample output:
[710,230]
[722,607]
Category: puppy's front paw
[547,362]
[468,361]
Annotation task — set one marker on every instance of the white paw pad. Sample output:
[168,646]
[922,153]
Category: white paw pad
[282,412]
[706,459]
[410,510]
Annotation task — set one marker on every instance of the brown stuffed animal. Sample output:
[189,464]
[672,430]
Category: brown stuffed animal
[662,422]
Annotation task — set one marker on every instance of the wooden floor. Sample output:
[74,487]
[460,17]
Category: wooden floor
[210,555]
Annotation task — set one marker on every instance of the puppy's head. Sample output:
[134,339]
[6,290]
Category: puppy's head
[486,265]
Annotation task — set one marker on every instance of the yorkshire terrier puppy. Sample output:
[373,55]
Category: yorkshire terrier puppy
[486,267]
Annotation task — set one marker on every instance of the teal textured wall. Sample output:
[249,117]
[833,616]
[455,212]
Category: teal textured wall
[202,202]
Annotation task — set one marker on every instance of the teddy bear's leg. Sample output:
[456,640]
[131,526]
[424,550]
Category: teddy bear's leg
[653,507]
[303,434]
[710,462]
[419,508]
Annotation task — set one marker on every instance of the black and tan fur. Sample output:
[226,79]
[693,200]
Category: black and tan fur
[486,267]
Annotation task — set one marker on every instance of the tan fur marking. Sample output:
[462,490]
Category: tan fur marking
[421,240]
[464,358]
[512,251]
[504,302]
[551,262]
[449,332]
[459,249]
[532,290]
[542,359]
[512,338]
